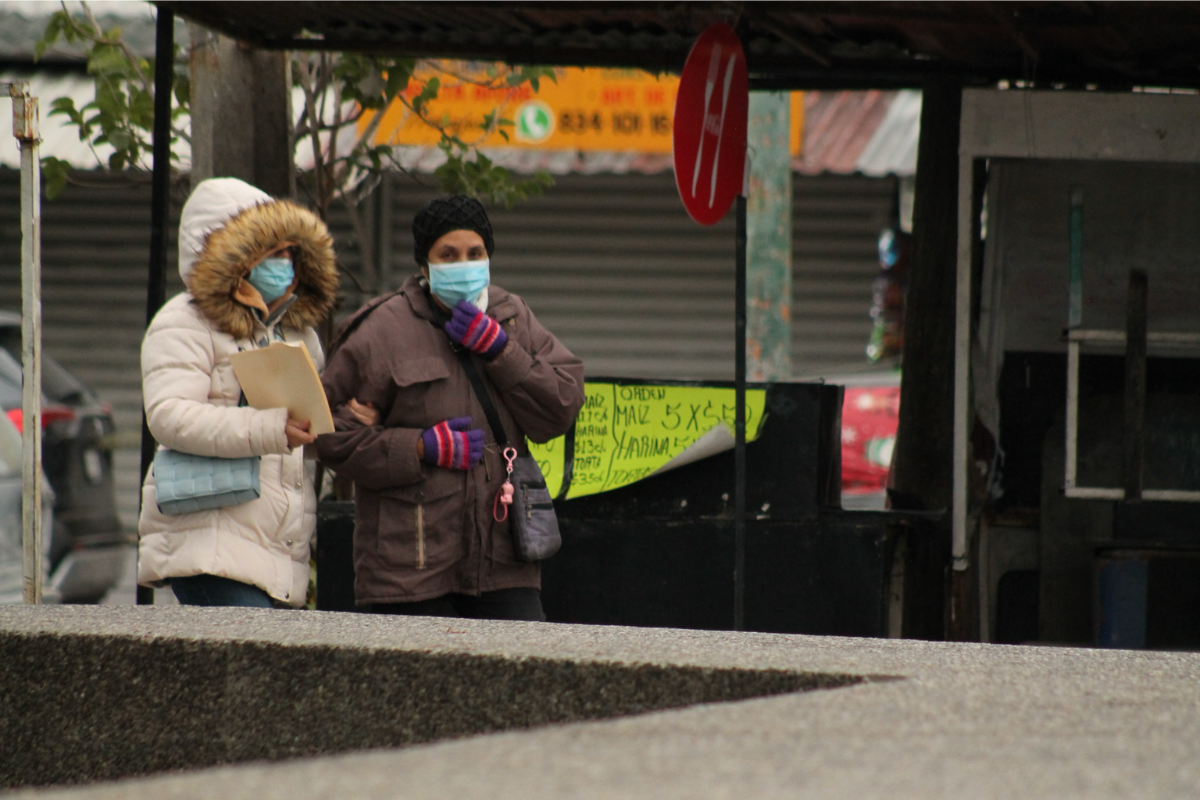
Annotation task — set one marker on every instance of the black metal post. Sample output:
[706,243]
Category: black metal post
[1134,444]
[739,447]
[160,206]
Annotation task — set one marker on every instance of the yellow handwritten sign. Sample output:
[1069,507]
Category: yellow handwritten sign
[586,109]
[627,432]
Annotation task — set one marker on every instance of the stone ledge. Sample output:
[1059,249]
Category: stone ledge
[108,693]
[968,720]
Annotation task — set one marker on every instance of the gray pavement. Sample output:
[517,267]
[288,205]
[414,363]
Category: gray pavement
[963,721]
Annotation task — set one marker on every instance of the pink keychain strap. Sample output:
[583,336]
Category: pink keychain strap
[504,496]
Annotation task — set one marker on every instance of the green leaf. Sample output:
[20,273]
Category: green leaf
[141,109]
[122,140]
[398,72]
[55,172]
[428,93]
[54,27]
[110,61]
[65,106]
[110,101]
[183,89]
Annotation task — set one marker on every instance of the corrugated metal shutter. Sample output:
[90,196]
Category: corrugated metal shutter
[835,259]
[610,263]
[613,265]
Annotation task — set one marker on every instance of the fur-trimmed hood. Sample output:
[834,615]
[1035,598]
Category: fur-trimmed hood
[227,227]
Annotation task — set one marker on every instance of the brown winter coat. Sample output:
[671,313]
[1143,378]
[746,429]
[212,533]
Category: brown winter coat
[423,531]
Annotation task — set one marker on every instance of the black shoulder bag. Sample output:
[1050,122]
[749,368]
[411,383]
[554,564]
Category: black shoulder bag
[532,520]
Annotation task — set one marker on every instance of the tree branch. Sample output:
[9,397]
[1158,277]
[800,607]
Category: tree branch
[463,80]
[100,39]
[306,84]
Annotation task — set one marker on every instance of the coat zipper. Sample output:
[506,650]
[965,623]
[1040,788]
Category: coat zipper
[420,536]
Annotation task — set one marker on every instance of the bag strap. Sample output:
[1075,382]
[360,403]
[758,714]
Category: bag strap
[360,316]
[485,399]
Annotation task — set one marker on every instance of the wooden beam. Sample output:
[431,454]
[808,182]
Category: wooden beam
[241,113]
[921,472]
[922,475]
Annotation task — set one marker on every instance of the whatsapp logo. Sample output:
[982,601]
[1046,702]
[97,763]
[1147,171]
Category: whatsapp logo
[535,122]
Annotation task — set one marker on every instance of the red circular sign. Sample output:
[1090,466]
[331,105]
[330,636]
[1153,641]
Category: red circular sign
[710,124]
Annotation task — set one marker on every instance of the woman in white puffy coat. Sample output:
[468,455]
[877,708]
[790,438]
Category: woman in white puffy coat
[257,270]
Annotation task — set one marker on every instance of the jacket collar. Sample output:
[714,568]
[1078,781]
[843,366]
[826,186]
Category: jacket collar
[269,321]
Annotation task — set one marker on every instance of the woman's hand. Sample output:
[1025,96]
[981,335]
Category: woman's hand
[476,331]
[452,444]
[366,413]
[297,433]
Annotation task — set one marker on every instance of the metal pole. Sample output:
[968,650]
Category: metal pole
[1072,451]
[962,366]
[1134,438]
[160,208]
[1074,321]
[963,415]
[739,447]
[25,129]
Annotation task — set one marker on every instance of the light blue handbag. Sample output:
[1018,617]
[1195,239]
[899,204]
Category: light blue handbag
[185,483]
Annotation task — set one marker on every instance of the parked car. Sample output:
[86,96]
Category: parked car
[87,548]
[870,416]
[12,588]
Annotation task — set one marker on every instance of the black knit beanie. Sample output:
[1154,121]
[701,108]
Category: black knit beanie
[439,217]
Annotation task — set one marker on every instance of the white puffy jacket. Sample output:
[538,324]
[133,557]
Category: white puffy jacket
[191,394]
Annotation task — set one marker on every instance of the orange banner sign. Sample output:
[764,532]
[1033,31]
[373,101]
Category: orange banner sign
[586,110]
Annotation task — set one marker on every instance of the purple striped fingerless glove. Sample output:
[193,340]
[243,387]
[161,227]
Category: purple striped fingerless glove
[453,444]
[476,331]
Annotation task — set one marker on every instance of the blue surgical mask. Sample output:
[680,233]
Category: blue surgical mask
[272,277]
[461,280]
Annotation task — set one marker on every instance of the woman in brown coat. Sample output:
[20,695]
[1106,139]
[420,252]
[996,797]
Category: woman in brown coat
[413,437]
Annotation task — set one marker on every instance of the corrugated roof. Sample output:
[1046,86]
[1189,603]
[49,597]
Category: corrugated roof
[892,149]
[22,23]
[837,127]
[872,132]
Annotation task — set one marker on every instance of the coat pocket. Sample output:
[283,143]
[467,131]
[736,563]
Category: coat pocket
[421,526]
[419,370]
[426,535]
[417,386]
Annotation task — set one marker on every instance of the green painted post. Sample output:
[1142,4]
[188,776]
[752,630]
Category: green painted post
[769,239]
